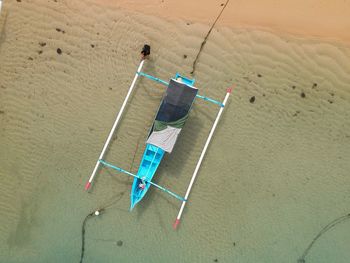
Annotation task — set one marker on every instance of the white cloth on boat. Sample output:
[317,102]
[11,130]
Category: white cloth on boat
[164,139]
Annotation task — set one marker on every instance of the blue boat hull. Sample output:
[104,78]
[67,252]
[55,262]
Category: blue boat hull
[151,159]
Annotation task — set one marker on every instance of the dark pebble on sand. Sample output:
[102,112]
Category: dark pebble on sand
[119,243]
[252,99]
[185,56]
[314,86]
[222,4]
[296,113]
[293,87]
[43,44]
[40,51]
[92,45]
[30,58]
[59,51]
[259,75]
[302,95]
[58,29]
[19,1]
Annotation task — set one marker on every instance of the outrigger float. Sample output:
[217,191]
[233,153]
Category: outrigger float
[170,118]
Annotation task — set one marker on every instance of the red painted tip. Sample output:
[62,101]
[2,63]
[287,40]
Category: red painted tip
[229,90]
[87,186]
[177,222]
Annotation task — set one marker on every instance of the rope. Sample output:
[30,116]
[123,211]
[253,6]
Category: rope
[83,235]
[323,231]
[92,215]
[206,37]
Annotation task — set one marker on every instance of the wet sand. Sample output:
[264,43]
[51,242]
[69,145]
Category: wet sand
[275,174]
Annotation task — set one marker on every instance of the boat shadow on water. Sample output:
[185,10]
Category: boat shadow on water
[3,31]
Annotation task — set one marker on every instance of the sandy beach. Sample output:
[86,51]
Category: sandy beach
[276,173]
[310,18]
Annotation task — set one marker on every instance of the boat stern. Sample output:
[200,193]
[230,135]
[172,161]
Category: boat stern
[151,159]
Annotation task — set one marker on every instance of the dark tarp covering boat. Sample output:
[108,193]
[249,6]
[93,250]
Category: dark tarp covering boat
[172,114]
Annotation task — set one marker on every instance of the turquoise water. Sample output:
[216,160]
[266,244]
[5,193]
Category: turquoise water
[274,176]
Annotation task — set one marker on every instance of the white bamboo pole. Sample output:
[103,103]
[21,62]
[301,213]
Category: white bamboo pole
[177,221]
[88,184]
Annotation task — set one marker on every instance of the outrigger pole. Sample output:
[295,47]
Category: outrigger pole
[145,52]
[177,221]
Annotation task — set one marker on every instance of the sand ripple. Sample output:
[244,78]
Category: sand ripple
[275,171]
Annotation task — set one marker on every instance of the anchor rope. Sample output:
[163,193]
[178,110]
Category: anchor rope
[206,38]
[92,215]
[323,231]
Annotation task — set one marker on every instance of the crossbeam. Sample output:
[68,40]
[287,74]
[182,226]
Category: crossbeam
[138,177]
[153,78]
[167,83]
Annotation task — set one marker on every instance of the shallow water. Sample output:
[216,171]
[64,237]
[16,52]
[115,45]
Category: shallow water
[274,176]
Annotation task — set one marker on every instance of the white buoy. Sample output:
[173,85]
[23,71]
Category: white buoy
[97,213]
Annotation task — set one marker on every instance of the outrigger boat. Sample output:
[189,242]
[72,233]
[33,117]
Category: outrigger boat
[172,114]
